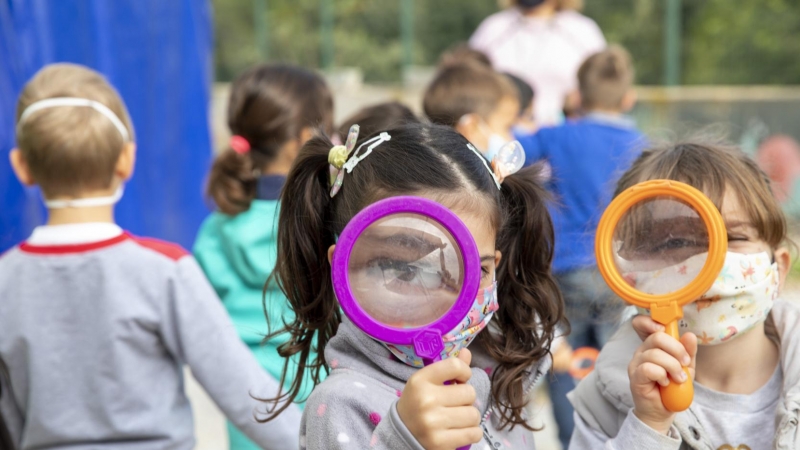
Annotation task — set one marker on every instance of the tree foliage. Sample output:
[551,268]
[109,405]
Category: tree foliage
[723,42]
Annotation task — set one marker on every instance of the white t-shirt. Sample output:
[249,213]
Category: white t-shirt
[545,52]
[739,421]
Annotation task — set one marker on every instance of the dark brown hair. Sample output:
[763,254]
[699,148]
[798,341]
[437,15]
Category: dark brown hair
[714,168]
[605,77]
[71,149]
[376,118]
[464,89]
[269,106]
[434,160]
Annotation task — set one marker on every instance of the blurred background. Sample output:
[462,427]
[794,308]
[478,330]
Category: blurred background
[731,67]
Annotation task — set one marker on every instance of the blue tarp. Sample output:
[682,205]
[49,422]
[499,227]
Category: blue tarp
[158,54]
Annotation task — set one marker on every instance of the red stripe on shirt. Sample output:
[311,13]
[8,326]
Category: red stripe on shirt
[168,249]
[73,248]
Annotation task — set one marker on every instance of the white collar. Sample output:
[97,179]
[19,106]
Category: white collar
[74,233]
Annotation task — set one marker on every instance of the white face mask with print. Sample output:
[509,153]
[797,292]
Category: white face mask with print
[740,298]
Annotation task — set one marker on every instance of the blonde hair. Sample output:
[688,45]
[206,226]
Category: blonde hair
[71,149]
[713,168]
[605,77]
[465,88]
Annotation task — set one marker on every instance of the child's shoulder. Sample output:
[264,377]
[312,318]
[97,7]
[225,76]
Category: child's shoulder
[164,249]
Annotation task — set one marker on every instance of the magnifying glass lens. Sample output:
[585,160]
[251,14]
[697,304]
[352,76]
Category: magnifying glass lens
[660,245]
[406,270]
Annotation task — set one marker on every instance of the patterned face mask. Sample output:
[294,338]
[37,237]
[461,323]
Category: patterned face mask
[460,337]
[740,298]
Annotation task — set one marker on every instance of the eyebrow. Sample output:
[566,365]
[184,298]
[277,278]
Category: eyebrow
[485,258]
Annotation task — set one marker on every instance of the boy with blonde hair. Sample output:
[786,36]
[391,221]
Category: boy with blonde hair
[96,323]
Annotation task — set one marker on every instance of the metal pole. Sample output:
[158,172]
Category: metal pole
[260,20]
[407,31]
[672,43]
[326,18]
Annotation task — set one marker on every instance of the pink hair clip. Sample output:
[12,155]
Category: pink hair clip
[239,144]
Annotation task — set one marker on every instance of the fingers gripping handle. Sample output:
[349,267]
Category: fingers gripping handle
[675,396]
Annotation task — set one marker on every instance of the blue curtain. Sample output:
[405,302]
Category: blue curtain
[158,54]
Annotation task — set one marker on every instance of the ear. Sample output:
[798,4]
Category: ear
[20,167]
[784,260]
[497,257]
[628,100]
[126,162]
[469,127]
[330,254]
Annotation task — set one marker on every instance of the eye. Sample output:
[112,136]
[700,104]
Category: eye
[732,238]
[485,270]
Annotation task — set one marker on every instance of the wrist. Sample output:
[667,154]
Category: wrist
[660,425]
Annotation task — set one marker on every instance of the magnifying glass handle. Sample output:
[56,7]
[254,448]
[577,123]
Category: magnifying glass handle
[675,396]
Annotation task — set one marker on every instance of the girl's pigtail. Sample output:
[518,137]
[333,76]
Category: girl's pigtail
[302,270]
[232,182]
[530,302]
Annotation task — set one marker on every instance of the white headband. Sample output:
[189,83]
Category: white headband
[74,101]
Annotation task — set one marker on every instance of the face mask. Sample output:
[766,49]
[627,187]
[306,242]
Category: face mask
[460,337]
[529,3]
[86,202]
[740,298]
[495,143]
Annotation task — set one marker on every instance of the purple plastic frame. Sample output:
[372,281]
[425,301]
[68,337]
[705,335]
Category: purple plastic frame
[427,340]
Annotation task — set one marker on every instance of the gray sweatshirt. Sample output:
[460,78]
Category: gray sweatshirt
[603,401]
[356,406]
[95,336]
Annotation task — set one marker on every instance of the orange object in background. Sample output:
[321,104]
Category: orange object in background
[653,226]
[583,360]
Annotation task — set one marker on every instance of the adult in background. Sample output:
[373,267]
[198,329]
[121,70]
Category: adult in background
[543,42]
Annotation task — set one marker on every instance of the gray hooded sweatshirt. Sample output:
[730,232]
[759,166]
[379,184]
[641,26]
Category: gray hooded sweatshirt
[603,400]
[356,406]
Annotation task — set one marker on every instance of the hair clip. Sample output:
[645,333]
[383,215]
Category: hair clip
[239,144]
[335,157]
[508,161]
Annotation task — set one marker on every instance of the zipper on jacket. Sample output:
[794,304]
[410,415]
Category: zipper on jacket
[490,409]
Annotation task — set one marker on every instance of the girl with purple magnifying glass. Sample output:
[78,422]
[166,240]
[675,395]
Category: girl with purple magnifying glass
[396,251]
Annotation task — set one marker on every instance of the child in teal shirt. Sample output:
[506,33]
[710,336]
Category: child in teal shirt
[273,110]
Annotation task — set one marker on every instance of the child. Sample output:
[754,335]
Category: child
[376,118]
[273,111]
[373,396]
[97,324]
[479,103]
[745,380]
[585,156]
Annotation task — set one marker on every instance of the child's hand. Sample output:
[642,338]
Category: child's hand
[439,416]
[659,355]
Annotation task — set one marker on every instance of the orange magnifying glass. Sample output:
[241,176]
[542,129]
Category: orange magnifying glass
[660,245]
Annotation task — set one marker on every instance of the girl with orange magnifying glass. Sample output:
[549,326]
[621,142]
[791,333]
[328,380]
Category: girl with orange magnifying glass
[695,240]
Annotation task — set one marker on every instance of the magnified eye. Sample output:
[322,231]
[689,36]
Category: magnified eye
[402,276]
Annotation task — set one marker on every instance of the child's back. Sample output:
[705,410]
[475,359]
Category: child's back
[96,324]
[273,109]
[586,156]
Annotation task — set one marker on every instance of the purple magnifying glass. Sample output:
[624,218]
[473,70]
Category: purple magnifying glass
[406,271]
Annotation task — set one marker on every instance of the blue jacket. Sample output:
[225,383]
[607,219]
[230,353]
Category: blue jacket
[587,157]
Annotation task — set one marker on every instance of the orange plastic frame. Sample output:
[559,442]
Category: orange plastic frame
[666,308]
